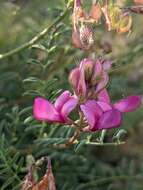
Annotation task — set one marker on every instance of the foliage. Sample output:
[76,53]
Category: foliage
[43,70]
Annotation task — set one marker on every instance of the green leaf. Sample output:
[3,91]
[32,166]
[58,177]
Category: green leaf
[25,110]
[78,145]
[28,119]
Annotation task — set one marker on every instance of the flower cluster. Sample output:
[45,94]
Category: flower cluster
[91,99]
[90,78]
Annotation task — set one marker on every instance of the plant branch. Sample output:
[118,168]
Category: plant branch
[39,36]
[105,144]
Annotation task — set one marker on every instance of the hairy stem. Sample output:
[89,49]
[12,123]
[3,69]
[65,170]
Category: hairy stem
[69,142]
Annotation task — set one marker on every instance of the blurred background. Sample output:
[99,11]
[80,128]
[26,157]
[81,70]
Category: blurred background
[43,70]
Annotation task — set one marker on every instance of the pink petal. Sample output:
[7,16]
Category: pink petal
[97,72]
[91,111]
[87,62]
[128,104]
[61,100]
[87,65]
[103,96]
[92,104]
[104,81]
[109,119]
[68,107]
[98,68]
[44,111]
[81,83]
[74,77]
[89,115]
[104,106]
[77,80]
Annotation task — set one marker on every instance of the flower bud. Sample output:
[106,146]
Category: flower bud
[78,12]
[138,2]
[82,38]
[86,37]
[95,13]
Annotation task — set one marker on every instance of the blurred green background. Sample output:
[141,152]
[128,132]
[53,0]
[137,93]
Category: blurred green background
[43,70]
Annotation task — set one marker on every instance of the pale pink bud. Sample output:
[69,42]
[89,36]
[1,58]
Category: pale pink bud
[82,38]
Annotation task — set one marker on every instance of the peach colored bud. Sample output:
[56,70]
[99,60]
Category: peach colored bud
[95,13]
[139,2]
[80,13]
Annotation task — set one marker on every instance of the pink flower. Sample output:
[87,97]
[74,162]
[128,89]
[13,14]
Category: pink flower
[101,114]
[43,110]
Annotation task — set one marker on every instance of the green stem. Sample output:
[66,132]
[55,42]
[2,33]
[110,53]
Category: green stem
[112,178]
[105,144]
[42,129]
[38,37]
[103,133]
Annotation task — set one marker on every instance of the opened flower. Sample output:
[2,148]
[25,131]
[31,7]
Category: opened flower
[101,114]
[45,111]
